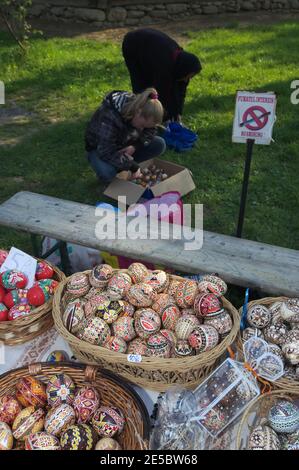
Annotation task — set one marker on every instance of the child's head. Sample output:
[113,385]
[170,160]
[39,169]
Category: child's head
[145,110]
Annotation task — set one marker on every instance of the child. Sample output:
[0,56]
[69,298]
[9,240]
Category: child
[122,133]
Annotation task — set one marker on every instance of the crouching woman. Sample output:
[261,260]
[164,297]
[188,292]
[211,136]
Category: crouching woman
[122,133]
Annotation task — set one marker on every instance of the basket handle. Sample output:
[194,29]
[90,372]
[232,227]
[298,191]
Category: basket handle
[35,369]
[90,373]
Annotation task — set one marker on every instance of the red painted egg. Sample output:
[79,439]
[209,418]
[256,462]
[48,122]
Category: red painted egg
[2,293]
[3,312]
[31,391]
[19,311]
[207,305]
[43,271]
[9,409]
[13,279]
[15,297]
[38,294]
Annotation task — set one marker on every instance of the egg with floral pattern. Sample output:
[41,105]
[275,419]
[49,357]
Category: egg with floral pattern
[118,285]
[185,325]
[186,293]
[42,441]
[30,391]
[207,305]
[263,438]
[60,389]
[100,275]
[147,322]
[78,285]
[138,272]
[9,409]
[86,402]
[283,417]
[95,331]
[108,421]
[116,344]
[141,295]
[124,328]
[158,346]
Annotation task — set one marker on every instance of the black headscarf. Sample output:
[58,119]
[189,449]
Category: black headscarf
[185,64]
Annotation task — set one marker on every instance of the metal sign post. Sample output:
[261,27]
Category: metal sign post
[250,143]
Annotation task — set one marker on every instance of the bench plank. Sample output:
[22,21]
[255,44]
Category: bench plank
[238,261]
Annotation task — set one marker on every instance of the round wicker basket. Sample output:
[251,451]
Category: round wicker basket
[27,328]
[257,412]
[285,383]
[153,373]
[113,391]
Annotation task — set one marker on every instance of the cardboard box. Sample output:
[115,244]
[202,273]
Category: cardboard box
[179,179]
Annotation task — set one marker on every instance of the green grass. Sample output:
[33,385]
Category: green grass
[62,81]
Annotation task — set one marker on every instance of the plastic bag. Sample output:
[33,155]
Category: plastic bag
[178,137]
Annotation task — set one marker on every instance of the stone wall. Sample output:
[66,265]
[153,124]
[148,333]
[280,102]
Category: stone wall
[109,13]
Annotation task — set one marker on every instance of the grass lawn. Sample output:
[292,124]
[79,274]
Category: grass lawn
[61,82]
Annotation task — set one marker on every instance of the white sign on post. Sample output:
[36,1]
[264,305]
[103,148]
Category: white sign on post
[22,262]
[254,117]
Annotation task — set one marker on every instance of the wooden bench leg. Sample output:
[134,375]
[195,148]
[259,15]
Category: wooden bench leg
[35,245]
[65,260]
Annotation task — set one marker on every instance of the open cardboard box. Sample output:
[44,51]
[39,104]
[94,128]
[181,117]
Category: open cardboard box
[179,179]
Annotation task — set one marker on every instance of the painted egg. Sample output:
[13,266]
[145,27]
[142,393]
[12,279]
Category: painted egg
[183,349]
[186,293]
[86,402]
[289,311]
[42,441]
[109,311]
[59,419]
[213,284]
[162,301]
[147,322]
[3,312]
[2,294]
[118,286]
[6,437]
[100,275]
[158,280]
[38,294]
[290,372]
[107,443]
[137,346]
[138,272]
[60,389]
[185,325]
[170,336]
[124,328]
[93,291]
[9,409]
[207,305]
[250,332]
[43,271]
[222,323]
[78,437]
[78,285]
[116,344]
[108,421]
[263,438]
[283,417]
[30,391]
[19,311]
[158,346]
[58,356]
[128,310]
[173,285]
[290,441]
[275,333]
[170,316]
[13,279]
[3,256]
[15,297]
[28,421]
[275,312]
[97,301]
[290,347]
[274,349]
[258,316]
[214,420]
[96,331]
[203,338]
[74,315]
[141,295]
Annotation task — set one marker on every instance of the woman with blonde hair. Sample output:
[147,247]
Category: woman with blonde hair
[122,133]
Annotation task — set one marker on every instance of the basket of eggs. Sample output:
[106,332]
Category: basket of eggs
[26,313]
[276,320]
[152,328]
[67,406]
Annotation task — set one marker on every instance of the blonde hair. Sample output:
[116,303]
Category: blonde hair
[147,103]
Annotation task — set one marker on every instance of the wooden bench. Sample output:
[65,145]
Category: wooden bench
[241,262]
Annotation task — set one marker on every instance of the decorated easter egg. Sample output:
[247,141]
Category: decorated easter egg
[124,328]
[186,293]
[60,389]
[283,417]
[258,316]
[95,331]
[170,336]
[138,272]
[116,344]
[86,402]
[78,437]
[74,315]
[19,311]
[58,356]
[100,275]
[290,441]
[214,420]
[158,346]
[93,291]
[28,421]
[289,310]
[290,372]
[275,312]
[38,294]
[6,437]
[250,332]
[118,285]
[78,285]
[59,418]
[222,323]
[43,271]
[3,312]
[212,283]
[203,338]
[108,421]
[30,391]
[274,349]
[147,322]
[3,256]
[263,438]
[183,349]
[97,301]
[173,285]
[16,296]
[275,333]
[9,409]
[2,294]
[161,302]
[170,316]
[207,305]
[185,325]
[109,311]
[290,347]
[137,346]
[128,309]
[107,443]
[158,280]
[141,295]
[42,441]
[13,279]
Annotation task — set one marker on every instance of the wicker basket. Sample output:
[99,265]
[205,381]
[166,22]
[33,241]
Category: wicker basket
[113,391]
[284,383]
[153,373]
[28,327]
[257,412]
